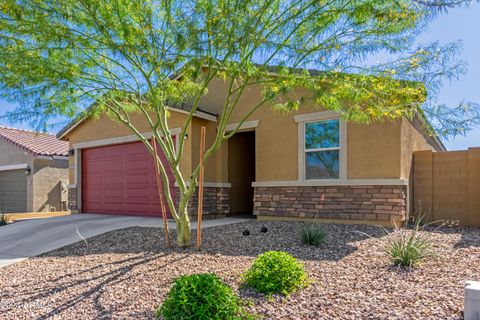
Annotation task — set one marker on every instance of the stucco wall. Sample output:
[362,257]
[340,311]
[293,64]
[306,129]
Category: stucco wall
[216,169]
[43,188]
[376,151]
[104,127]
[373,151]
[47,175]
[411,140]
[10,154]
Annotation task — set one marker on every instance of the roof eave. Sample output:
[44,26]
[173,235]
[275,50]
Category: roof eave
[70,127]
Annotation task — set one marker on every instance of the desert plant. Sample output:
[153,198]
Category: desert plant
[312,234]
[3,219]
[125,58]
[276,272]
[201,296]
[408,246]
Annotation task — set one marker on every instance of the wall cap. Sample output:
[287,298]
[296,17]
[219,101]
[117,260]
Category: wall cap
[211,184]
[14,167]
[320,183]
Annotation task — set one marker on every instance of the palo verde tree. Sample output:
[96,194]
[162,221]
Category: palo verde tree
[57,57]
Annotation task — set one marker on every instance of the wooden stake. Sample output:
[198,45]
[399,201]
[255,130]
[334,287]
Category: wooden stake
[160,194]
[200,189]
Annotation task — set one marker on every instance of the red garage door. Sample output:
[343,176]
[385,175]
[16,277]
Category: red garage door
[120,179]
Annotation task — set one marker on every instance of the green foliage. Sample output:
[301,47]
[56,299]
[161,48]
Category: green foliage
[3,219]
[408,247]
[201,296]
[74,58]
[57,57]
[312,234]
[276,272]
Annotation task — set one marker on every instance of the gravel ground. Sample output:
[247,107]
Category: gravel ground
[125,274]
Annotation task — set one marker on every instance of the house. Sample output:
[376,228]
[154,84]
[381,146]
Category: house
[292,166]
[33,171]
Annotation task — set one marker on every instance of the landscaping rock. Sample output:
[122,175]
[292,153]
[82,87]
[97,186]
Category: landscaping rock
[126,274]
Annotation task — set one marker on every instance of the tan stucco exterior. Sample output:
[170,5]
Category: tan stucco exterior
[412,140]
[10,154]
[43,182]
[104,127]
[375,151]
[47,178]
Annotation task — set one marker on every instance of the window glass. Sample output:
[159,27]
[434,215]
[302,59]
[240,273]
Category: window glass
[322,164]
[322,134]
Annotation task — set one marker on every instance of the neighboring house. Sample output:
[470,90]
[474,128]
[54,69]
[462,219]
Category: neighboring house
[281,166]
[33,171]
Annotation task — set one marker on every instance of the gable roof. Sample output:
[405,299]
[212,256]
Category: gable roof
[176,108]
[432,138]
[37,143]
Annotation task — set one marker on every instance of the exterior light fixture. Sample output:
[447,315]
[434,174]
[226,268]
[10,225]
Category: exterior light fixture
[28,170]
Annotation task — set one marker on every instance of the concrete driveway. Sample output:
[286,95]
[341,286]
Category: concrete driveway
[24,239]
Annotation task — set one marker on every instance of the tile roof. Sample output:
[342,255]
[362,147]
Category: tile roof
[36,143]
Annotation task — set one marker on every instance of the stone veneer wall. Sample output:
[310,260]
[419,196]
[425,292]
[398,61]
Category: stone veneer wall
[216,202]
[72,199]
[378,203]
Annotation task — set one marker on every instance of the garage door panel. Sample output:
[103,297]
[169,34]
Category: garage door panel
[114,165]
[120,179]
[136,149]
[94,179]
[13,191]
[139,165]
[138,179]
[116,179]
[113,152]
[133,209]
[114,193]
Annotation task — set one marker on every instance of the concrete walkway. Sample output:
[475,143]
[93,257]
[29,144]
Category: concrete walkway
[24,239]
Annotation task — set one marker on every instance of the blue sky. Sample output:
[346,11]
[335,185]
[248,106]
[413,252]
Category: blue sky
[459,24]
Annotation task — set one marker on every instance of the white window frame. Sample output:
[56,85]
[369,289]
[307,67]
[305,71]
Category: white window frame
[316,117]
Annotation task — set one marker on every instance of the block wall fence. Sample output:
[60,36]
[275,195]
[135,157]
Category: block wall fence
[446,186]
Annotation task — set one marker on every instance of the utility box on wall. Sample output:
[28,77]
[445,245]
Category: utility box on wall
[472,300]
[64,194]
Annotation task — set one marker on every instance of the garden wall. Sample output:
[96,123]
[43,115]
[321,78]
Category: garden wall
[446,185]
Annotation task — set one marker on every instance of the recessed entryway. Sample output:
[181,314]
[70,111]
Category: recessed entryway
[241,172]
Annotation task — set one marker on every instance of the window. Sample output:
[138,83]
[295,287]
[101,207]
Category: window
[322,149]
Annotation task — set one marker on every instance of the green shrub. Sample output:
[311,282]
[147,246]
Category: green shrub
[276,272]
[312,234]
[201,296]
[3,219]
[408,247]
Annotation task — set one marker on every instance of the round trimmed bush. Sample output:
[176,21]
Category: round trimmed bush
[201,296]
[276,272]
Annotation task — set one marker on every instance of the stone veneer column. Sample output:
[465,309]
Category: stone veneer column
[216,202]
[72,199]
[370,203]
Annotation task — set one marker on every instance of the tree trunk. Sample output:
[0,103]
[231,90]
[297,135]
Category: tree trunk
[183,230]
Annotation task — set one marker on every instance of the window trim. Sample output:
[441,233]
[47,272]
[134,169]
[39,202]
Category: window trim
[306,151]
[315,117]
